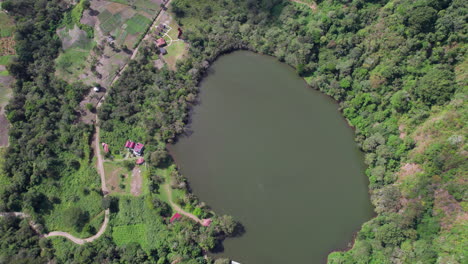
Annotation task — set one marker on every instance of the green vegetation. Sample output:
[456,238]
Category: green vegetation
[73,18]
[137,24]
[5,59]
[385,80]
[397,69]
[73,61]
[124,235]
[7,26]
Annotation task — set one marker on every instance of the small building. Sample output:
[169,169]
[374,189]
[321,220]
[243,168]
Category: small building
[138,149]
[176,216]
[96,89]
[129,144]
[105,147]
[163,51]
[140,161]
[161,42]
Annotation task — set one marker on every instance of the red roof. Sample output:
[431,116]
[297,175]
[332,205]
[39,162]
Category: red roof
[175,217]
[140,161]
[138,147]
[129,144]
[160,42]
[105,147]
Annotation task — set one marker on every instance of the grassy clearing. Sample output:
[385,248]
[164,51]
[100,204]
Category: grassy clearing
[72,62]
[5,59]
[175,52]
[118,177]
[176,194]
[7,27]
[137,221]
[123,235]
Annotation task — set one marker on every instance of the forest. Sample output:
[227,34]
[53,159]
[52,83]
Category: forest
[397,68]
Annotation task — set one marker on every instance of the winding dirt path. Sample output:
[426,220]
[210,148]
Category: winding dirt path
[81,241]
[100,168]
[178,208]
[100,160]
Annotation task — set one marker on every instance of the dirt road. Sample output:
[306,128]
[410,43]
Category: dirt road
[81,241]
[100,161]
[177,207]
[100,168]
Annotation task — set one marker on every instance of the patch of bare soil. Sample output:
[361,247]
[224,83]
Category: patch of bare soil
[88,116]
[115,8]
[159,63]
[447,207]
[408,169]
[135,186]
[7,46]
[401,128]
[113,180]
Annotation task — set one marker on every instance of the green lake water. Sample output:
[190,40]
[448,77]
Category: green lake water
[278,157]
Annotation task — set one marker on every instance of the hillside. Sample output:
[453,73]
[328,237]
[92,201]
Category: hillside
[397,69]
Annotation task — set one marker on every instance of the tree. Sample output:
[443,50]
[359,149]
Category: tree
[227,224]
[390,234]
[422,18]
[90,107]
[86,4]
[436,87]
[158,156]
[75,217]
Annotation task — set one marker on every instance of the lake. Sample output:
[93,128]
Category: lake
[277,156]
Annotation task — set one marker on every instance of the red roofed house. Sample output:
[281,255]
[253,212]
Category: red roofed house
[105,147]
[176,216]
[140,161]
[138,150]
[161,42]
[129,144]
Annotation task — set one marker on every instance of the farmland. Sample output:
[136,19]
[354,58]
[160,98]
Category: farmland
[7,52]
[125,22]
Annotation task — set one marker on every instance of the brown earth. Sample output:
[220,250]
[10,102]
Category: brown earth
[7,46]
[312,6]
[401,128]
[136,184]
[93,98]
[408,169]
[447,207]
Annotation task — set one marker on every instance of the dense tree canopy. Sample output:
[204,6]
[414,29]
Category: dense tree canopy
[397,69]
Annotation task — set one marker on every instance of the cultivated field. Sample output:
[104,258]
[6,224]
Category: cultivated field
[125,21]
[7,52]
